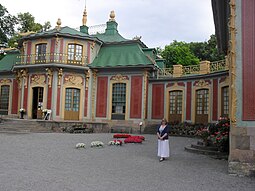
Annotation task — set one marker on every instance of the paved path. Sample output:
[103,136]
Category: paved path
[50,162]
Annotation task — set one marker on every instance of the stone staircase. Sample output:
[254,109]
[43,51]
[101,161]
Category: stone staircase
[22,126]
[211,151]
[150,129]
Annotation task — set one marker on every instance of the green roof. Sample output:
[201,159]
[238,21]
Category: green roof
[7,62]
[111,33]
[110,37]
[121,55]
[66,31]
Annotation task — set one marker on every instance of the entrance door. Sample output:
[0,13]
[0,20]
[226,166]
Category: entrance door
[4,100]
[72,103]
[37,103]
[175,106]
[202,103]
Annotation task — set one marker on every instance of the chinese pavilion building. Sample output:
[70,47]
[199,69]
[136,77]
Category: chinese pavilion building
[104,77]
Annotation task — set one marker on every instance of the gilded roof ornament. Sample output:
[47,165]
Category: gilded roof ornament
[112,16]
[84,18]
[58,24]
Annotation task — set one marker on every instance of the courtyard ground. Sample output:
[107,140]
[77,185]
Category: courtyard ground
[50,162]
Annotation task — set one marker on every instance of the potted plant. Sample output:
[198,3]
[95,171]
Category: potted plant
[22,112]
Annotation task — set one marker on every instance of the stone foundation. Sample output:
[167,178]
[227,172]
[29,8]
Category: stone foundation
[241,169]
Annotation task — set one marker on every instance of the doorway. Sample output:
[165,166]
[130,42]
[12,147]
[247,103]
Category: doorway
[72,103]
[37,103]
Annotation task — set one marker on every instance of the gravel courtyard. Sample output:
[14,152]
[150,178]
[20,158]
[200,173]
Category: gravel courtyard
[50,162]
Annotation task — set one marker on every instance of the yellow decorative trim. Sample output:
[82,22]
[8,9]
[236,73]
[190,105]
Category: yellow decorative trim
[49,73]
[24,75]
[94,75]
[73,80]
[201,83]
[38,79]
[145,82]
[18,78]
[232,62]
[119,78]
[5,81]
[60,74]
[87,74]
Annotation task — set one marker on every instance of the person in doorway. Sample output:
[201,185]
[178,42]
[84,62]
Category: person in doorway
[163,143]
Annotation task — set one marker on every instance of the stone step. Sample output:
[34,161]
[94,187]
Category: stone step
[202,147]
[213,154]
[22,125]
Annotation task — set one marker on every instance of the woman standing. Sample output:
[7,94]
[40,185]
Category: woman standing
[163,143]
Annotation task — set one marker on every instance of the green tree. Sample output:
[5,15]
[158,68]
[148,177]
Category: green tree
[7,25]
[179,53]
[206,50]
[27,23]
[46,26]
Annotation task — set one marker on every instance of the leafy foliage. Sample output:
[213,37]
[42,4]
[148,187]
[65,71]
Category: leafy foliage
[27,23]
[24,22]
[191,53]
[7,24]
[206,50]
[179,53]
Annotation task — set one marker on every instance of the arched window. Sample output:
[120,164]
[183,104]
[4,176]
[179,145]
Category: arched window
[4,99]
[74,53]
[40,53]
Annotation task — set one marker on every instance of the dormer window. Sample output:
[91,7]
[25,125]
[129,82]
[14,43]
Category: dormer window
[74,53]
[40,53]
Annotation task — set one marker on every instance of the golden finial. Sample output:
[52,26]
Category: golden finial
[58,24]
[112,16]
[84,18]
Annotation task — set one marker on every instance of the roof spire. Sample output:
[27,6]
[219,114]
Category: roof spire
[84,18]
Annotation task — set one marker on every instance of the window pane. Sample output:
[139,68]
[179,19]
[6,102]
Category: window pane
[4,100]
[119,98]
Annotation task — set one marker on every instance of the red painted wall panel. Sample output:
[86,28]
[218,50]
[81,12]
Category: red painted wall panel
[49,98]
[25,98]
[88,52]
[136,97]
[86,104]
[248,59]
[188,101]
[58,101]
[215,100]
[15,97]
[157,101]
[61,49]
[101,105]
[29,46]
[52,49]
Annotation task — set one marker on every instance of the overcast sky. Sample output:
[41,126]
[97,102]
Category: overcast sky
[159,22]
